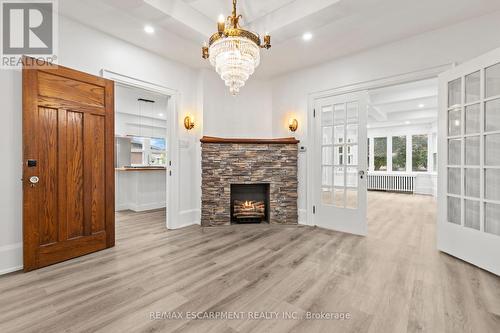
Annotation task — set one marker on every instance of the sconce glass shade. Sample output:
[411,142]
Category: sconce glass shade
[293,125]
[188,123]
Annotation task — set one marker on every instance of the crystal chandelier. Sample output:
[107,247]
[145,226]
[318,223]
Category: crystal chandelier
[234,52]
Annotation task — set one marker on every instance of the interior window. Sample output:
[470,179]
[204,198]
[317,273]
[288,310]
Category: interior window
[147,151]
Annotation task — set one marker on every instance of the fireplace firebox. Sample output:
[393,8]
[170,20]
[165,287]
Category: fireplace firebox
[249,203]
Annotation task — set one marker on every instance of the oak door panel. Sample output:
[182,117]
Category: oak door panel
[74,174]
[47,124]
[56,86]
[95,143]
[68,130]
[69,249]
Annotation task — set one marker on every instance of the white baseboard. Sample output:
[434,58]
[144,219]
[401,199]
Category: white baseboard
[11,258]
[186,218]
[303,217]
[121,207]
[140,208]
[180,226]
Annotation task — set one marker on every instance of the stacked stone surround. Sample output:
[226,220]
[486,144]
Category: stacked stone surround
[224,164]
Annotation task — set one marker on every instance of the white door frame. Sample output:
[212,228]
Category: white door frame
[172,179]
[428,73]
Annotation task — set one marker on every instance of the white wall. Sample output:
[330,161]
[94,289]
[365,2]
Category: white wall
[11,172]
[90,51]
[247,115]
[456,43]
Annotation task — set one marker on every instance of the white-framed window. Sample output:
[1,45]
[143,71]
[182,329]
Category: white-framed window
[401,153]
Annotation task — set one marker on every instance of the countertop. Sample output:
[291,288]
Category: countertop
[141,169]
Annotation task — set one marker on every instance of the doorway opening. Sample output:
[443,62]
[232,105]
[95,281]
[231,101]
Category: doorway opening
[389,148]
[402,138]
[141,153]
[402,132]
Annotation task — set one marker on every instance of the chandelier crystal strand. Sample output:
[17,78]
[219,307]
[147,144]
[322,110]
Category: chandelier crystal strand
[234,52]
[235,60]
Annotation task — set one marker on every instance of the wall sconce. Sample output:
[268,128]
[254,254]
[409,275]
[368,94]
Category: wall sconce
[188,123]
[293,124]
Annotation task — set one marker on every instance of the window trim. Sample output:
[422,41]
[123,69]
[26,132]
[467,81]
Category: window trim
[409,153]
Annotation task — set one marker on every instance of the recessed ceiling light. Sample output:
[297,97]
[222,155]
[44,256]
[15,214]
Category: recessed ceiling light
[307,36]
[421,106]
[149,29]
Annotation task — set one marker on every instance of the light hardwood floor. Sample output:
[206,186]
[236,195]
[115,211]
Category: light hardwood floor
[394,280]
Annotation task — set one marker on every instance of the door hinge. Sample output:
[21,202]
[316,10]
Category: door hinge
[314,113]
[314,209]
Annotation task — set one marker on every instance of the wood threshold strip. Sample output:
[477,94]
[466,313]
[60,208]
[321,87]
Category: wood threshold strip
[211,139]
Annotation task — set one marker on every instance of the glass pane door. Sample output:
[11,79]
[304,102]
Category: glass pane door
[469,173]
[341,145]
[474,150]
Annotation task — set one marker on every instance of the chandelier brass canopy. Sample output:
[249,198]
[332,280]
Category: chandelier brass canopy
[234,52]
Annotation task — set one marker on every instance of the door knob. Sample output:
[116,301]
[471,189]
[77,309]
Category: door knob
[34,180]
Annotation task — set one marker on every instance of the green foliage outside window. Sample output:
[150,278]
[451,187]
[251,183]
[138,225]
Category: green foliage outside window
[399,153]
[380,152]
[420,150]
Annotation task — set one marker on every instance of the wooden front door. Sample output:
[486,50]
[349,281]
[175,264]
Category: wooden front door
[68,167]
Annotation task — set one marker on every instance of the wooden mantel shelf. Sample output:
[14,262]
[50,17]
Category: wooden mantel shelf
[211,139]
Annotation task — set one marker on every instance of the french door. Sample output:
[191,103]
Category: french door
[340,163]
[469,167]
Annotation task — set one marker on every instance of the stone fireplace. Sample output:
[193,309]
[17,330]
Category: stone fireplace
[249,172]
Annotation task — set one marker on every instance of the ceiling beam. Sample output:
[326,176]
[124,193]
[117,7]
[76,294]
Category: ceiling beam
[402,99]
[423,121]
[288,14]
[185,14]
[377,113]
[416,114]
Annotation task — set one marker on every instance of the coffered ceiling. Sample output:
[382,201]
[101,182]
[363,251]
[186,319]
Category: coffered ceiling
[338,27]
[413,103]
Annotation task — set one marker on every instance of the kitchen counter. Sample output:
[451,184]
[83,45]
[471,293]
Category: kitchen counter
[141,188]
[142,169]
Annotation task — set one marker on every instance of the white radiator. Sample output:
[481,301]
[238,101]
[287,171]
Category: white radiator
[393,183]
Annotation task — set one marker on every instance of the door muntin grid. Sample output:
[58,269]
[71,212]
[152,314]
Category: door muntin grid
[473,152]
[339,154]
